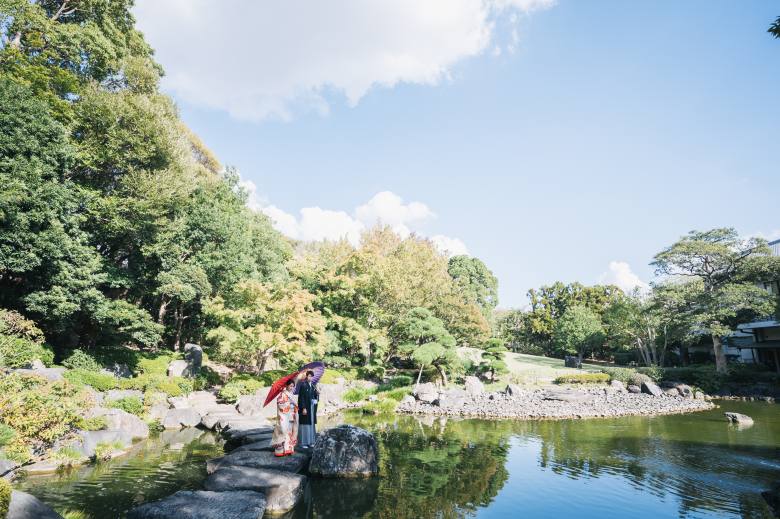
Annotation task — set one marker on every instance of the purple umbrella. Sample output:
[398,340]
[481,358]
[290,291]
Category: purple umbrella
[317,367]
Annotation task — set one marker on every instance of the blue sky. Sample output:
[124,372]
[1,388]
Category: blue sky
[551,139]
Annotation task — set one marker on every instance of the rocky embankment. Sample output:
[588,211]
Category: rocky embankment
[554,402]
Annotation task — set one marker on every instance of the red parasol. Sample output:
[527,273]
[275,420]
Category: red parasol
[317,367]
[277,386]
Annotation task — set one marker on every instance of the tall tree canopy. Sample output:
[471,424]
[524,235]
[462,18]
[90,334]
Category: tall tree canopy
[709,269]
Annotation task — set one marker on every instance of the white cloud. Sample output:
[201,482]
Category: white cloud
[386,208]
[273,59]
[449,246]
[621,275]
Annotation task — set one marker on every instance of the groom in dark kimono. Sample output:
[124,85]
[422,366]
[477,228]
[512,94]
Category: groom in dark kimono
[307,411]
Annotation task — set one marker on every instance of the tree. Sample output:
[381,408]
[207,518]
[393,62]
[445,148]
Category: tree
[717,293]
[493,358]
[637,320]
[578,331]
[774,29]
[475,282]
[423,337]
[257,321]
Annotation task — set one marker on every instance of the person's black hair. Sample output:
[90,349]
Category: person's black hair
[291,381]
[310,372]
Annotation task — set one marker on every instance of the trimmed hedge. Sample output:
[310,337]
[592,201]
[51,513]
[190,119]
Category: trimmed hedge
[583,378]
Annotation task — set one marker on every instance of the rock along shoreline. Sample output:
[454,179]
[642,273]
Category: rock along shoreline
[553,403]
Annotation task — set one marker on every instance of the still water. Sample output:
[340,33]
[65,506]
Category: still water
[684,466]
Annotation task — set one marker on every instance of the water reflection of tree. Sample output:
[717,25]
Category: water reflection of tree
[444,470]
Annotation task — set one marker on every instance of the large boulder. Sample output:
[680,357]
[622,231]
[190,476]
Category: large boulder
[25,506]
[427,393]
[452,398]
[569,395]
[282,490]
[178,418]
[474,386]
[345,451]
[617,386]
[87,441]
[7,466]
[634,389]
[738,418]
[158,412]
[119,420]
[193,354]
[201,504]
[177,368]
[51,374]
[651,388]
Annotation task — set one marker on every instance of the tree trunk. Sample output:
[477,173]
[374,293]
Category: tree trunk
[419,375]
[179,322]
[720,355]
[443,375]
[161,313]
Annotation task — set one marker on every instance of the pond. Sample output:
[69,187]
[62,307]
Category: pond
[688,466]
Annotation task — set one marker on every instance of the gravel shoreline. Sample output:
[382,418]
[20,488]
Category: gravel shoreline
[555,404]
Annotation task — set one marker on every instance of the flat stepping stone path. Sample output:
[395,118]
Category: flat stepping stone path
[296,462]
[187,504]
[282,490]
[256,446]
[568,396]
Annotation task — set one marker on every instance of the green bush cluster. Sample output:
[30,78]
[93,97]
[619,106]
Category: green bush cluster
[172,386]
[7,434]
[104,450]
[583,378]
[96,380]
[331,375]
[17,352]
[5,497]
[381,406]
[654,372]
[79,359]
[357,394]
[240,385]
[637,379]
[620,374]
[130,404]
[398,394]
[40,411]
[155,364]
[96,423]
[396,382]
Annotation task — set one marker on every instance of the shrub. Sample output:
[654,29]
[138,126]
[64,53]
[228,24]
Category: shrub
[269,377]
[17,451]
[330,375]
[372,372]
[5,497]
[357,394]
[98,381]
[654,372]
[39,410]
[583,378]
[17,352]
[206,378]
[96,423]
[68,455]
[130,404]
[155,364]
[6,434]
[240,385]
[393,383]
[383,406]
[398,394]
[621,374]
[173,386]
[81,360]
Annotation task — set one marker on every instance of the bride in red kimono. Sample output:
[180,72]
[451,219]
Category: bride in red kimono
[285,435]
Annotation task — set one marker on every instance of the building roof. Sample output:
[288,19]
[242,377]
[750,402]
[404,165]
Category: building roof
[775,246]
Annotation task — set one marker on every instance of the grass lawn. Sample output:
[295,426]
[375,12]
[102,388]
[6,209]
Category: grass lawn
[535,370]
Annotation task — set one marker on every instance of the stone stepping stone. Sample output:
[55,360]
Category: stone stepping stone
[212,418]
[187,504]
[295,463]
[240,433]
[256,446]
[233,443]
[282,490]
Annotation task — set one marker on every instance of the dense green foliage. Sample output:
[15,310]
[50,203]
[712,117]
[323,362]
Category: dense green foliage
[119,227]
[5,497]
